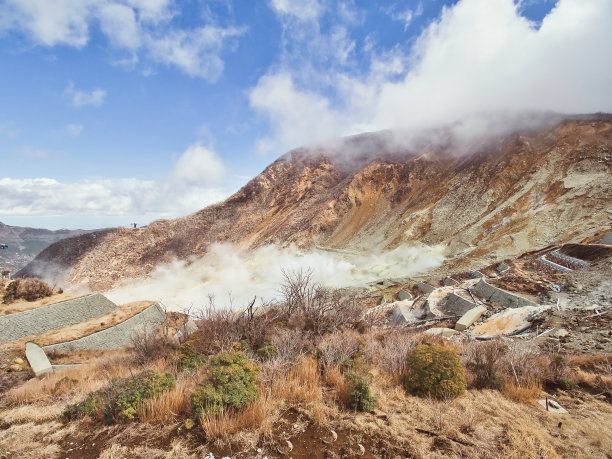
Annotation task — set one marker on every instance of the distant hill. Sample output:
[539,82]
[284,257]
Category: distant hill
[25,243]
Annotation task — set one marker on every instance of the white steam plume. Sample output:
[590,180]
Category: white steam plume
[229,271]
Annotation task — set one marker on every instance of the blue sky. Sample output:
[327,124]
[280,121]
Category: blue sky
[114,111]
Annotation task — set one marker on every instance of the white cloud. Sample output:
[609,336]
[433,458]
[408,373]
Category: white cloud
[193,183]
[302,10]
[198,164]
[480,56]
[404,15]
[195,52]
[140,27]
[49,22]
[94,98]
[74,129]
[35,153]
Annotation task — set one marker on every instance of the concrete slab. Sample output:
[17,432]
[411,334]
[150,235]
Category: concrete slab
[457,305]
[442,331]
[38,360]
[425,288]
[402,312]
[552,406]
[449,282]
[470,317]
[508,322]
[499,296]
[404,295]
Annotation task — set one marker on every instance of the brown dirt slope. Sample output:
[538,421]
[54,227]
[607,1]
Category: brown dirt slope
[499,198]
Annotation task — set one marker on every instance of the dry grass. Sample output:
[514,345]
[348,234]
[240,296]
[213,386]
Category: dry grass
[258,416]
[71,382]
[23,305]
[336,381]
[526,392]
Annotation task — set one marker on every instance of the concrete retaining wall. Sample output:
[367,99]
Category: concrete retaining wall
[499,296]
[118,336]
[554,266]
[37,321]
[456,305]
[576,262]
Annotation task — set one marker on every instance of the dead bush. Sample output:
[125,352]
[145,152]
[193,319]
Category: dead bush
[219,329]
[484,364]
[339,349]
[388,351]
[29,289]
[149,347]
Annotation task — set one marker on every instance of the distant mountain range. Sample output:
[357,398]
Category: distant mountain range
[25,243]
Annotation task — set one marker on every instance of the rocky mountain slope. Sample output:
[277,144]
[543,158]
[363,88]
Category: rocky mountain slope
[25,243]
[489,199]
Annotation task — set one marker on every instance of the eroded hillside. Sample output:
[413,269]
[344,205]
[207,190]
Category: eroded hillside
[495,199]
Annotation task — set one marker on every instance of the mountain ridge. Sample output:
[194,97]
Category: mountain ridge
[503,196]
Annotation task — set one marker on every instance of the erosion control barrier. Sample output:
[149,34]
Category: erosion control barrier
[554,266]
[499,296]
[576,262]
[41,320]
[121,335]
[456,305]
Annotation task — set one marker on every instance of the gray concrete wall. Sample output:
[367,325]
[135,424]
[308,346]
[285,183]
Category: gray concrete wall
[118,336]
[457,306]
[553,265]
[499,296]
[575,262]
[40,320]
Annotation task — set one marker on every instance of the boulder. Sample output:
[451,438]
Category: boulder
[18,361]
[470,317]
[14,367]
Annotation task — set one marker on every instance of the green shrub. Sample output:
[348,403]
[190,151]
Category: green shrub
[434,371]
[360,399]
[83,408]
[230,384]
[122,397]
[188,357]
[267,352]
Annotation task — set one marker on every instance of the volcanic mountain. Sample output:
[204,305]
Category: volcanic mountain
[487,199]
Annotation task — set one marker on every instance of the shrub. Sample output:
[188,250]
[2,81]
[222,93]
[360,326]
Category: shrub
[82,408]
[434,371]
[188,357]
[122,397]
[485,365]
[29,289]
[360,397]
[230,384]
[267,352]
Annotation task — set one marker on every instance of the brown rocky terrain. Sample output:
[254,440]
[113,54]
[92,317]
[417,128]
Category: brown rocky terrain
[486,200]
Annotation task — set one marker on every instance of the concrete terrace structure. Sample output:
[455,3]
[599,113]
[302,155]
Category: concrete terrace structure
[41,320]
[121,335]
